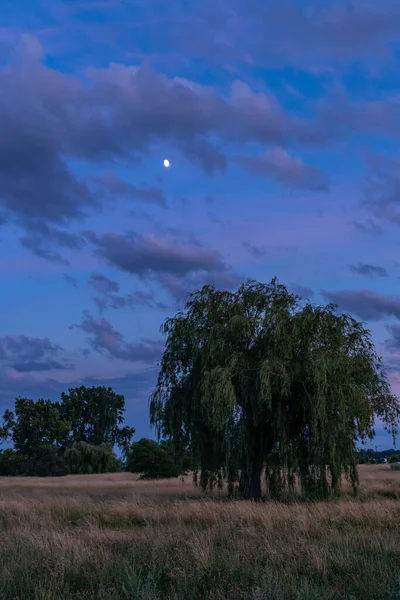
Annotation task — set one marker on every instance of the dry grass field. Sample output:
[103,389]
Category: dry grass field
[112,536]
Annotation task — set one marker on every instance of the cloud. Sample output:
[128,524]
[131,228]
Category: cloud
[281,166]
[299,290]
[368,270]
[104,338]
[366,304]
[256,251]
[113,186]
[103,284]
[179,287]
[112,299]
[134,300]
[26,354]
[270,251]
[382,193]
[369,227]
[130,301]
[147,254]
[309,35]
[70,279]
[393,343]
[41,238]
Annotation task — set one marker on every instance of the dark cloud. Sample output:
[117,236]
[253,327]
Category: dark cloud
[256,251]
[281,166]
[366,304]
[393,343]
[134,300]
[369,227]
[179,287]
[368,270]
[115,187]
[303,292]
[382,193]
[103,284]
[104,338]
[146,254]
[130,301]
[263,251]
[25,354]
[70,279]
[42,238]
[290,33]
[112,299]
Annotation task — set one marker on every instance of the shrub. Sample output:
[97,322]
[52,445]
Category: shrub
[152,460]
[84,459]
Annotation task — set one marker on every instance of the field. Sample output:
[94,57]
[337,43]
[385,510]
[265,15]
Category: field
[112,536]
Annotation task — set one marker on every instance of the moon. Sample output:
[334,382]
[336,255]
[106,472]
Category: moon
[166,162]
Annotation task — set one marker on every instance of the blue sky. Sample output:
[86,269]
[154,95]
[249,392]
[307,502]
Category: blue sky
[281,123]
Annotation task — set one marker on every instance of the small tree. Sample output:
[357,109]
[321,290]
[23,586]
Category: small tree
[152,460]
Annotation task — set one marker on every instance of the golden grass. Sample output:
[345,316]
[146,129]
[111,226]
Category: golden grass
[113,536]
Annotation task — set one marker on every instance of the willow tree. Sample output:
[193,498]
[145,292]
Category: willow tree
[258,381]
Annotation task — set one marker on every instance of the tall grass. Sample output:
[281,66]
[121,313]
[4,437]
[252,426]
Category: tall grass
[112,536]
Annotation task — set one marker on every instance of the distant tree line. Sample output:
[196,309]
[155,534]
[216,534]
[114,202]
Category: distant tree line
[370,456]
[77,435]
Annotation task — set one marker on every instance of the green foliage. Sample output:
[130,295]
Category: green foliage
[152,460]
[84,459]
[95,415]
[9,463]
[86,424]
[34,424]
[257,380]
[45,461]
[394,458]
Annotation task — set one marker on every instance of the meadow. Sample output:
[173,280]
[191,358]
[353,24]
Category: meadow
[106,537]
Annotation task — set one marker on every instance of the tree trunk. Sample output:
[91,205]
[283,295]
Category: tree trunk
[250,482]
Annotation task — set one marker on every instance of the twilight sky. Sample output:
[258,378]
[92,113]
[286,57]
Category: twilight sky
[281,121]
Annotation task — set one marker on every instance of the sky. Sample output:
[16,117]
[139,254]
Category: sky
[281,122]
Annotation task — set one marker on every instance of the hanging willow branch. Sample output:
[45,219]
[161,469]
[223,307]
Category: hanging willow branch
[255,381]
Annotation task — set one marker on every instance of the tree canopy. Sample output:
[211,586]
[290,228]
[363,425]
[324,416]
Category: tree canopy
[258,380]
[81,429]
[152,460]
[33,424]
[95,415]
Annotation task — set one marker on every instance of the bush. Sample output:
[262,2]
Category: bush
[152,460]
[394,458]
[85,459]
[44,462]
[9,463]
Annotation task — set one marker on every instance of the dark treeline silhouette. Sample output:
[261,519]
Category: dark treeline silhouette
[77,435]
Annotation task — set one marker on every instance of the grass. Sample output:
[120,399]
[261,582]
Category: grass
[111,536]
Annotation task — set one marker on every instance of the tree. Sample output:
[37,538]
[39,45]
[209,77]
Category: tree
[83,458]
[45,461]
[152,459]
[257,380]
[394,458]
[95,415]
[9,463]
[34,424]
